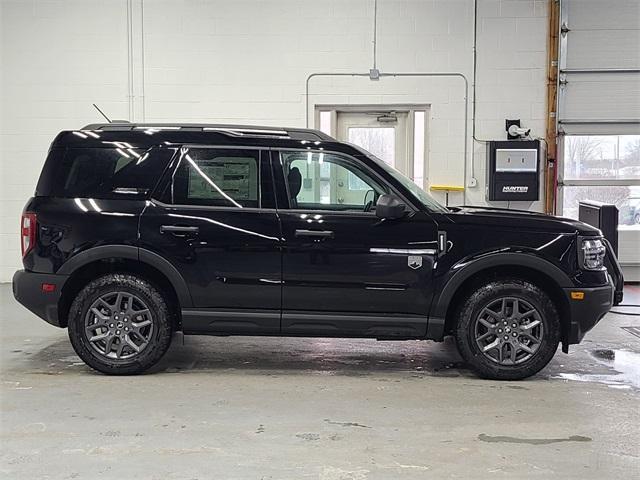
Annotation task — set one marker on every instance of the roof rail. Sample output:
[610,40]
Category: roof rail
[232,130]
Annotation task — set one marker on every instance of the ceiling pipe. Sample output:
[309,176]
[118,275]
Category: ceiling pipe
[375,32]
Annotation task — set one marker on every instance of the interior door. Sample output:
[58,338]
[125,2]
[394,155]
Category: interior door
[345,272]
[215,221]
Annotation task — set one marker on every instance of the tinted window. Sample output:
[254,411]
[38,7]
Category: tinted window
[324,181]
[106,172]
[216,177]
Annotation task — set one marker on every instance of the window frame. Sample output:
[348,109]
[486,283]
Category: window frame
[263,156]
[277,164]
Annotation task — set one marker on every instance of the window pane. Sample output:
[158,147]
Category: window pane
[627,199]
[214,177]
[418,148]
[381,141]
[320,181]
[108,172]
[602,156]
[325,122]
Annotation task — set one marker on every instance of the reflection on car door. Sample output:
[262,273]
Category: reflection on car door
[346,272]
[214,219]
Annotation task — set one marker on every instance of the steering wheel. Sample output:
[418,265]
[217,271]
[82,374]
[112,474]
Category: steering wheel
[369,204]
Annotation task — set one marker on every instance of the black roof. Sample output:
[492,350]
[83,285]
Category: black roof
[146,135]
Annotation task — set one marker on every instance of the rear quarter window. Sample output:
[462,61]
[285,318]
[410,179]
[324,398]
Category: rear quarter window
[103,172]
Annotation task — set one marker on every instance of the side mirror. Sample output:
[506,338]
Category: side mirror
[389,207]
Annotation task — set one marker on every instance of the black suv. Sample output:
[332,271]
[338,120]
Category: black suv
[137,231]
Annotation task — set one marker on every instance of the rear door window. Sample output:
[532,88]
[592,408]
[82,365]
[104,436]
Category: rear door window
[216,177]
[108,172]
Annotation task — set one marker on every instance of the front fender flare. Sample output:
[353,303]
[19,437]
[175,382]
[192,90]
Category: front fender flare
[469,267]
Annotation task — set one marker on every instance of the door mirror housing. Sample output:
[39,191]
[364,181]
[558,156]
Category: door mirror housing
[390,207]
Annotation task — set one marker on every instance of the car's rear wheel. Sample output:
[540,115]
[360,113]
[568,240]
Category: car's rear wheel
[508,329]
[119,324]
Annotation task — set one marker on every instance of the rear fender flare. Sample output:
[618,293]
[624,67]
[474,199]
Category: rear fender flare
[131,252]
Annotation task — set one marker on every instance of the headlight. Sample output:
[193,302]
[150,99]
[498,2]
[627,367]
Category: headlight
[593,251]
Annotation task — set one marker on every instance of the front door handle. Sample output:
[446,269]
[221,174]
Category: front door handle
[178,229]
[314,233]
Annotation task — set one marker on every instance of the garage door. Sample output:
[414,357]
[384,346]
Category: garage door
[599,114]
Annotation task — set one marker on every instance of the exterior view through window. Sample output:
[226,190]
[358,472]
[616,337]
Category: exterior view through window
[605,168]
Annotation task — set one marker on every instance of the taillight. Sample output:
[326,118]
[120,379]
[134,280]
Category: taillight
[27,232]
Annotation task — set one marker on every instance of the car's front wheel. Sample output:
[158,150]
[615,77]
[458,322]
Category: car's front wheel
[508,329]
[119,324]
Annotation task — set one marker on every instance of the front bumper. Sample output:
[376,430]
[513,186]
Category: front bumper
[27,289]
[586,312]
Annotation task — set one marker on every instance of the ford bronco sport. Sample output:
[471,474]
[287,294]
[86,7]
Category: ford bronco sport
[137,231]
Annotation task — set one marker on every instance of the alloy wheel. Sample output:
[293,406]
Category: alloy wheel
[508,331]
[118,325]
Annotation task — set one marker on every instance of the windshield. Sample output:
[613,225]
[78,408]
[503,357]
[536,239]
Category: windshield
[426,199]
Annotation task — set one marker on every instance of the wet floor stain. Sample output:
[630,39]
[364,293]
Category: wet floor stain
[605,354]
[626,366]
[531,441]
[346,424]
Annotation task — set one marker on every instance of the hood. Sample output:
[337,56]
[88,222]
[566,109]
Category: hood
[519,219]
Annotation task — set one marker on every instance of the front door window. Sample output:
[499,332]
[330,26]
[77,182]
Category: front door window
[325,181]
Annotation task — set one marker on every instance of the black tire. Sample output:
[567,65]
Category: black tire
[159,327]
[473,316]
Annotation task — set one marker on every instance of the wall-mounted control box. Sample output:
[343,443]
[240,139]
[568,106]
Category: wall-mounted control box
[513,170]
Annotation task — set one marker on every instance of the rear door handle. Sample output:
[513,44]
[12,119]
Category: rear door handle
[178,229]
[314,233]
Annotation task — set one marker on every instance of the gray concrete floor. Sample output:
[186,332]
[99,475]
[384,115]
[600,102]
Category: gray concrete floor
[270,408]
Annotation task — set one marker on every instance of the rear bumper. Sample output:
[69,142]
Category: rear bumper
[585,313]
[27,289]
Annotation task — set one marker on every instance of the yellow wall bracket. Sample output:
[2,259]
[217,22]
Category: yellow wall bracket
[446,189]
[450,188]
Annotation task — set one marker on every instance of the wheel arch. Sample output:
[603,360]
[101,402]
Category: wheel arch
[97,261]
[536,270]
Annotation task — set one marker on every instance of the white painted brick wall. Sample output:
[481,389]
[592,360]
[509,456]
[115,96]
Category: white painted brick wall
[246,61]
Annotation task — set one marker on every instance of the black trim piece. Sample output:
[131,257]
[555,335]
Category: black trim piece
[181,206]
[230,322]
[338,324]
[27,290]
[98,253]
[171,272]
[435,329]
[585,313]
